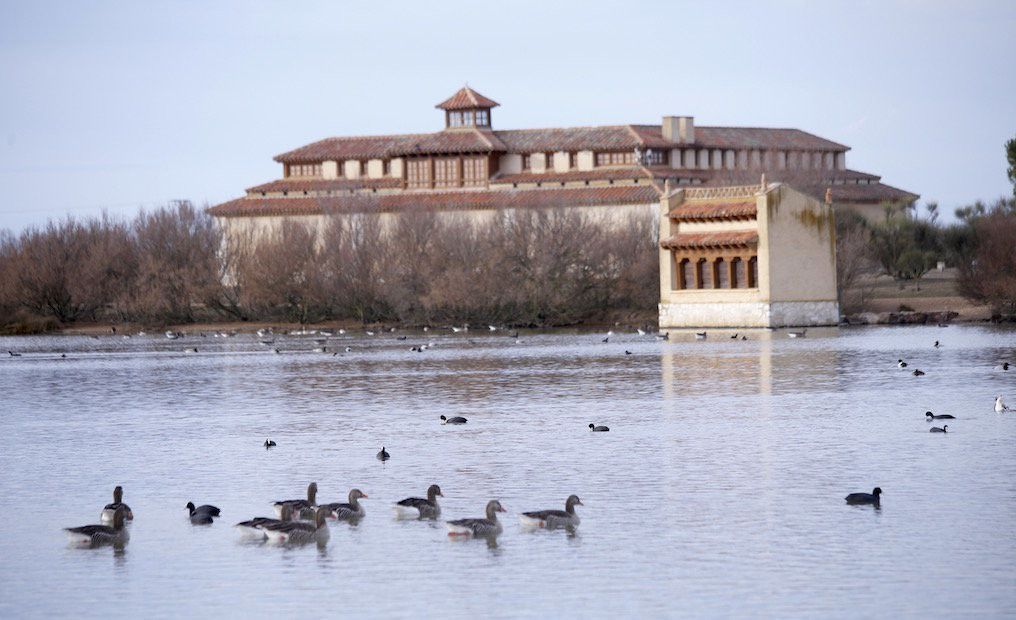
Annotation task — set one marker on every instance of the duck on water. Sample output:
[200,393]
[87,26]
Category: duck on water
[485,527]
[351,511]
[95,535]
[553,519]
[110,509]
[859,499]
[302,508]
[419,508]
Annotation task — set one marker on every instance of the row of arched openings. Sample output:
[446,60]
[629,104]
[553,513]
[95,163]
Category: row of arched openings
[717,273]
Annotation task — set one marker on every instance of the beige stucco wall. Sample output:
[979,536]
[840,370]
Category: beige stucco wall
[375,168]
[801,246]
[352,169]
[562,161]
[330,169]
[615,216]
[510,164]
[396,167]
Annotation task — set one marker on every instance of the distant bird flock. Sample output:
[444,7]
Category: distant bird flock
[300,521]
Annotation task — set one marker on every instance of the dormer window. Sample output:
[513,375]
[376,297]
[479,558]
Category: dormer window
[467,108]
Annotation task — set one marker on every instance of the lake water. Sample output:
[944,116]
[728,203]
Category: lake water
[717,492]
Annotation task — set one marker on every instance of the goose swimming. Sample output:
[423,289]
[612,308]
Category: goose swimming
[110,509]
[419,508]
[383,455]
[944,416]
[552,519]
[13,354]
[300,507]
[348,511]
[453,420]
[252,527]
[101,534]
[700,335]
[935,429]
[298,532]
[598,429]
[488,526]
[865,498]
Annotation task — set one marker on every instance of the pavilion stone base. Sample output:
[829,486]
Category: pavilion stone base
[750,314]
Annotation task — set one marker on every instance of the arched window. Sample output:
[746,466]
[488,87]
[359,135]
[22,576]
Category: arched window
[753,272]
[687,275]
[703,276]
[721,273]
[737,279]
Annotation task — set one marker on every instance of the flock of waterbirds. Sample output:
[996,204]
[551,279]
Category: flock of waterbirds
[304,520]
[301,521]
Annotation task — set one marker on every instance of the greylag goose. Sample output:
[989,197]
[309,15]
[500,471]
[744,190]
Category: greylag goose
[454,420]
[253,526]
[110,509]
[944,416]
[419,508]
[552,519]
[865,498]
[298,532]
[383,455]
[489,526]
[202,515]
[350,511]
[300,507]
[598,429]
[935,429]
[101,534]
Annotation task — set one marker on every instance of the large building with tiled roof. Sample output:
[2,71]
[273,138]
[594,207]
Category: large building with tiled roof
[735,248]
[469,166]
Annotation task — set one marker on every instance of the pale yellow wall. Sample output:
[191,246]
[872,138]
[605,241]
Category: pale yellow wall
[615,216]
[396,167]
[330,169]
[538,162]
[586,160]
[375,168]
[800,245]
[352,169]
[561,161]
[510,164]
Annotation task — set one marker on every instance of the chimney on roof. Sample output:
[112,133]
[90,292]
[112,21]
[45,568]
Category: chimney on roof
[679,129]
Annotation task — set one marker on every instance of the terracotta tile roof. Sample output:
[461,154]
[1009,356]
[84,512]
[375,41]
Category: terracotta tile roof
[606,138]
[320,185]
[874,193]
[446,201]
[470,140]
[710,240]
[597,174]
[357,147]
[466,98]
[745,209]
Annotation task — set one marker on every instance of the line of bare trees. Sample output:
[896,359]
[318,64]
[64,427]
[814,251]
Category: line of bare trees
[173,265]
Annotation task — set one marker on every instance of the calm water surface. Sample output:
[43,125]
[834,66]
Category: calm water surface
[717,492]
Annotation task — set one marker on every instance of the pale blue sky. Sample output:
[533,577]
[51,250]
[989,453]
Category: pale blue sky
[121,105]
